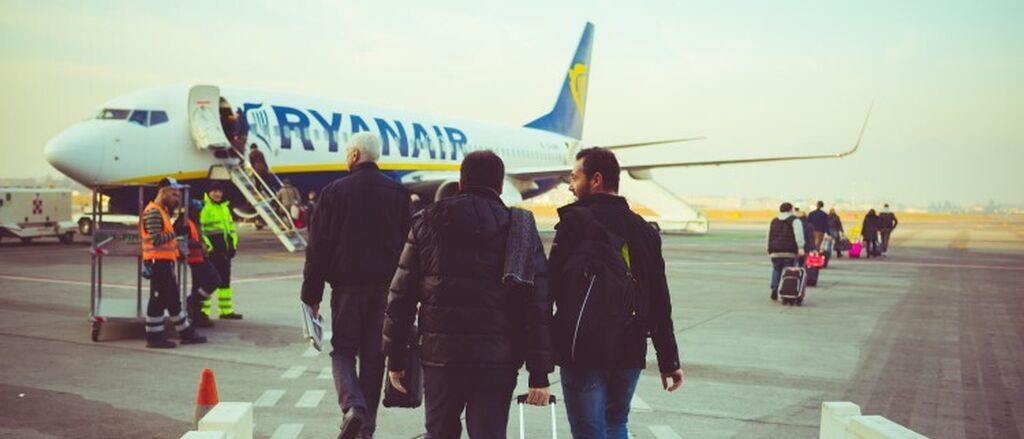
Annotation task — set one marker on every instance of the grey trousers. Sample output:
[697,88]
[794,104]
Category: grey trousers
[357,317]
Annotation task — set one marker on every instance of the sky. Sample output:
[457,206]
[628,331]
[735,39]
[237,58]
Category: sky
[757,78]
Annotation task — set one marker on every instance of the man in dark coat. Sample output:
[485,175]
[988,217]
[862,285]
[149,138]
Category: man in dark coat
[598,390]
[887,222]
[476,326]
[869,231]
[355,239]
[835,229]
[819,221]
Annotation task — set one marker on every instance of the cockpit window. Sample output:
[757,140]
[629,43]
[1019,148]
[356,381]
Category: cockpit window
[111,113]
[157,117]
[140,117]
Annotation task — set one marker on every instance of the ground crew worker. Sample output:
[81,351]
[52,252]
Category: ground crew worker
[205,279]
[160,253]
[221,239]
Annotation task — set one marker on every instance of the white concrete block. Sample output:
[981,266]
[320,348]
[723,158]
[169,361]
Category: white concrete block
[233,418]
[878,427]
[834,418]
[205,435]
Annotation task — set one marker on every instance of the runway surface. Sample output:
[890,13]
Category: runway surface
[931,336]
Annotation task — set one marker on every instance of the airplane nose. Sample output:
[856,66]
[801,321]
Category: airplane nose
[78,153]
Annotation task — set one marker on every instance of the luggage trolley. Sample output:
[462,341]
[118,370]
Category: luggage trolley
[120,241]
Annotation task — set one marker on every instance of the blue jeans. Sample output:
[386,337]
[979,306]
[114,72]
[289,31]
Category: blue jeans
[597,401]
[779,264]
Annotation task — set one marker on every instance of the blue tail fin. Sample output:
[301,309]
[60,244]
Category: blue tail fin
[567,116]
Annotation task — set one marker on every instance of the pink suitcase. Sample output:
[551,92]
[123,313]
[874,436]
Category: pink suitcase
[855,250]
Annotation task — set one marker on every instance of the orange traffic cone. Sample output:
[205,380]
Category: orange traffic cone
[207,397]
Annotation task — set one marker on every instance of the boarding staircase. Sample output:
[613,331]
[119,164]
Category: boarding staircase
[259,194]
[208,135]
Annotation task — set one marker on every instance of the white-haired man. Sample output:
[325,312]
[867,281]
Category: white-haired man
[355,238]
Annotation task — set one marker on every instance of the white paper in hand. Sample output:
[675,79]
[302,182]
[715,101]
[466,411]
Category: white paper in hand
[312,327]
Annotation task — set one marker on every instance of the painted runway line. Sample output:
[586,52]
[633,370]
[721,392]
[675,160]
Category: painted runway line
[664,432]
[310,352]
[638,404]
[269,398]
[293,372]
[325,373]
[310,399]
[287,431]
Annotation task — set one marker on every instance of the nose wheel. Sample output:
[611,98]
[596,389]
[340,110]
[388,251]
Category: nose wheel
[96,331]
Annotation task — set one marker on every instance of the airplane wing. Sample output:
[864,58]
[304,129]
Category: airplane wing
[639,168]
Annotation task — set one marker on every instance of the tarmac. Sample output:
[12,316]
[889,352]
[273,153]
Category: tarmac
[931,336]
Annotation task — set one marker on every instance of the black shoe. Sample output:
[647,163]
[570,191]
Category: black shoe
[232,316]
[775,295]
[353,424]
[189,336]
[160,343]
[202,321]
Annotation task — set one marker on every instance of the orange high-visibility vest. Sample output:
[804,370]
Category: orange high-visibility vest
[167,251]
[195,254]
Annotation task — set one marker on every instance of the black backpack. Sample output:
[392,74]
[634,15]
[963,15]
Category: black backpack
[599,302]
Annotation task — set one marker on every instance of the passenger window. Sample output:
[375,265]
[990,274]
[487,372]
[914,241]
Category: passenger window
[157,117]
[139,116]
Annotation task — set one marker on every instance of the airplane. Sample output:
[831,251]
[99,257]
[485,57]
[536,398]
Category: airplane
[182,131]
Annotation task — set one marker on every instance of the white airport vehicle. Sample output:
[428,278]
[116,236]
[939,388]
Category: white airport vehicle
[28,213]
[198,133]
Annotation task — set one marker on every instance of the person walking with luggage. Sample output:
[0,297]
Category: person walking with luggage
[869,231]
[835,229]
[887,222]
[608,284]
[476,271]
[786,242]
[819,221]
[221,239]
[355,239]
[160,253]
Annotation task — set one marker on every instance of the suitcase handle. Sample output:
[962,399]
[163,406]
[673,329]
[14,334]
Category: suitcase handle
[521,401]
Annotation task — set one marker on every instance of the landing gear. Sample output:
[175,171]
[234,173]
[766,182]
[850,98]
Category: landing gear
[85,226]
[67,238]
[96,331]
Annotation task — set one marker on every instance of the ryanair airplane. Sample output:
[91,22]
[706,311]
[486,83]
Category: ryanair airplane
[190,132]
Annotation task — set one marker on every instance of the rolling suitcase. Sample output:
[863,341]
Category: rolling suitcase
[855,250]
[521,401]
[791,287]
[826,249]
[811,276]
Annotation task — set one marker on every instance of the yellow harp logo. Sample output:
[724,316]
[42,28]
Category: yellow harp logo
[578,85]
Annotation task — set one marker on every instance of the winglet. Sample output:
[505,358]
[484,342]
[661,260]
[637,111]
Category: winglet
[860,136]
[566,118]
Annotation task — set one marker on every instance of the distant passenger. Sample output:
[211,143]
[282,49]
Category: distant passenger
[608,283]
[887,222]
[785,243]
[290,198]
[160,252]
[808,236]
[869,231]
[819,220]
[835,229]
[356,235]
[259,165]
[240,130]
[475,271]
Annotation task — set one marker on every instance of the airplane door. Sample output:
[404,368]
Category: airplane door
[204,118]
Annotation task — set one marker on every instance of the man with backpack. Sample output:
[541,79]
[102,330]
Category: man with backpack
[608,284]
[785,243]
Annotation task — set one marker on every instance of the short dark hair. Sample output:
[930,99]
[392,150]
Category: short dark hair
[821,204]
[785,207]
[601,160]
[482,168]
[253,146]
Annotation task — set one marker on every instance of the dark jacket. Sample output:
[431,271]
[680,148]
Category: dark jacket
[819,219]
[647,266]
[356,233]
[258,161]
[887,220]
[808,236]
[869,229]
[452,267]
[835,224]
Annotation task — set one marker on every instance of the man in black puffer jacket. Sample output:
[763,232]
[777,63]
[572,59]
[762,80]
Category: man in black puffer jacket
[475,331]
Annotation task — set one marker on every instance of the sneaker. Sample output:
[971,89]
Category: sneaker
[232,316]
[160,343]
